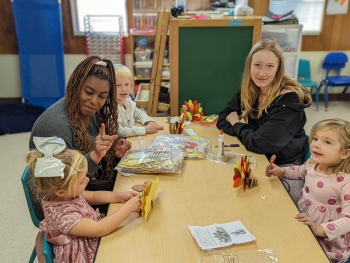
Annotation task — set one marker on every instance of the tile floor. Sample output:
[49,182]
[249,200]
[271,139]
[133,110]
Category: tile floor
[17,231]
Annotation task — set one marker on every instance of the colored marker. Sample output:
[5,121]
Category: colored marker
[229,145]
[272,159]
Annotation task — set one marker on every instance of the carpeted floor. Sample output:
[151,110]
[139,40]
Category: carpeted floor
[16,118]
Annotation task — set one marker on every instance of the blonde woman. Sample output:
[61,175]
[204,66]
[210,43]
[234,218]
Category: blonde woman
[272,106]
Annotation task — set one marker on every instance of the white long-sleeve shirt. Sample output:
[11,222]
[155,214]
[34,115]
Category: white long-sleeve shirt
[126,116]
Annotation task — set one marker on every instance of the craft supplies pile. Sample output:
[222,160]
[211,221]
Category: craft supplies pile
[165,155]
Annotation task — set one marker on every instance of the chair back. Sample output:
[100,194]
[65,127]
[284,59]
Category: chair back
[307,154]
[47,247]
[335,61]
[24,180]
[47,250]
[304,69]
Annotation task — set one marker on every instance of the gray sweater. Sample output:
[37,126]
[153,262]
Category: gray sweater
[55,122]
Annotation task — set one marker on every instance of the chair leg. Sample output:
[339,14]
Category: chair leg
[318,92]
[32,257]
[317,97]
[326,96]
[343,92]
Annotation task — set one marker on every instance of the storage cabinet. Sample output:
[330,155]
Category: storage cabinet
[289,38]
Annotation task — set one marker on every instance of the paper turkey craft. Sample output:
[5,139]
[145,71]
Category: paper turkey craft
[244,174]
[177,127]
[147,197]
[192,110]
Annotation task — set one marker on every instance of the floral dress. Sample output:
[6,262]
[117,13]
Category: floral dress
[326,199]
[60,217]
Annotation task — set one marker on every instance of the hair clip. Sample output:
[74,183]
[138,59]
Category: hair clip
[101,63]
[49,166]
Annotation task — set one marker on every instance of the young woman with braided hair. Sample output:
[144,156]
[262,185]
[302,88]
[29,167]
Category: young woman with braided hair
[87,120]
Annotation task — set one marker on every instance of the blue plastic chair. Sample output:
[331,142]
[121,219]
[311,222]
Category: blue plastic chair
[334,61]
[304,78]
[47,247]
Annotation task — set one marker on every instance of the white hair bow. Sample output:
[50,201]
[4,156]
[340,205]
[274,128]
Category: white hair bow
[49,166]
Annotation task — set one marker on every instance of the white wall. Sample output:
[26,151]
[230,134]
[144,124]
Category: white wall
[10,75]
[10,82]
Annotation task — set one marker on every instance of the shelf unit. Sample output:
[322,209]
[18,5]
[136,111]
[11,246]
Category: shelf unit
[144,20]
[140,67]
[289,38]
[142,40]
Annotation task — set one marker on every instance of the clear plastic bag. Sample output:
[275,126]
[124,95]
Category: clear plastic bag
[193,146]
[148,161]
[255,256]
[230,158]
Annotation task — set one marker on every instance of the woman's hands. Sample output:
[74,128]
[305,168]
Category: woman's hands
[153,127]
[121,147]
[316,228]
[232,118]
[273,169]
[103,143]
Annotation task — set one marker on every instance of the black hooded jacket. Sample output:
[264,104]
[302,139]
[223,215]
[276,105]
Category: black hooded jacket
[280,131]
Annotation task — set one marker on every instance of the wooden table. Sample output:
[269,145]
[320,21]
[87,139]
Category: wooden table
[203,195]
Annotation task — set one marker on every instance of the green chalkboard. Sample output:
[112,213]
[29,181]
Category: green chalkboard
[211,64]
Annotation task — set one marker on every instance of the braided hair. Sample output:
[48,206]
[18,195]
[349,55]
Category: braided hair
[108,114]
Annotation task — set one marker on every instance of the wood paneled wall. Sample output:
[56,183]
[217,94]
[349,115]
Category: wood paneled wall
[335,33]
[8,38]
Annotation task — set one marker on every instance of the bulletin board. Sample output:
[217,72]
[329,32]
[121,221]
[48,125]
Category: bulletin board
[207,59]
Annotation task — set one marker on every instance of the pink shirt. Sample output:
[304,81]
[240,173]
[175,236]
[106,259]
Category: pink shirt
[326,199]
[60,217]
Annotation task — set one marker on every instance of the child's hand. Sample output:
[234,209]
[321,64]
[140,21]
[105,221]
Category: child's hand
[273,169]
[125,196]
[102,144]
[151,129]
[154,124]
[134,203]
[121,147]
[316,228]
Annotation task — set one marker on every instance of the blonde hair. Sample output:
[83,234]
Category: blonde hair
[342,128]
[74,163]
[122,71]
[250,92]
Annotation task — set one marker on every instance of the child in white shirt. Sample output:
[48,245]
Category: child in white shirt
[127,110]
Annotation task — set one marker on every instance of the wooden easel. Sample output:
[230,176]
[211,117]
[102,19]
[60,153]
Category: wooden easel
[157,64]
